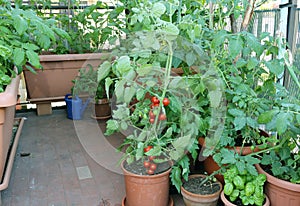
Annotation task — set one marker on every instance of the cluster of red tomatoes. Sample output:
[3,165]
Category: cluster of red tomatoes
[149,164]
[155,103]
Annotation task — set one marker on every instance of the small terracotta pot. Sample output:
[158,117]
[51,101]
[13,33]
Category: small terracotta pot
[228,203]
[279,191]
[146,190]
[191,199]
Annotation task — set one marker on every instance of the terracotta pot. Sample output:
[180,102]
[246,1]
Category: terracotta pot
[171,202]
[8,101]
[191,199]
[146,190]
[102,109]
[281,192]
[228,203]
[55,80]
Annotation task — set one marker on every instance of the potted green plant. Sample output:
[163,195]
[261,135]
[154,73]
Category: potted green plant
[22,37]
[91,33]
[243,188]
[250,68]
[280,162]
[90,82]
[160,113]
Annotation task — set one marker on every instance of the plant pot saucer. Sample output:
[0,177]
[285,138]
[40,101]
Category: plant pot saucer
[100,118]
[171,203]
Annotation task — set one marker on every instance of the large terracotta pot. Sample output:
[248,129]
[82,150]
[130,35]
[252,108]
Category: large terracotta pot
[146,190]
[54,81]
[192,199]
[8,100]
[228,203]
[281,192]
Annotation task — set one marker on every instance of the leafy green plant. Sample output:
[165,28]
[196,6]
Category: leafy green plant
[88,83]
[163,112]
[240,185]
[251,68]
[91,29]
[23,35]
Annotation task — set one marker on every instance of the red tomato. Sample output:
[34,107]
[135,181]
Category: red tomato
[151,158]
[153,167]
[155,100]
[148,148]
[151,115]
[150,172]
[152,120]
[166,101]
[162,117]
[147,164]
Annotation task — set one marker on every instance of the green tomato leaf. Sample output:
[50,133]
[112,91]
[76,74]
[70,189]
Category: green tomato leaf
[239,123]
[5,52]
[215,97]
[275,67]
[155,151]
[235,47]
[158,9]
[236,113]
[112,126]
[33,58]
[170,29]
[19,56]
[266,116]
[20,24]
[108,82]
[103,70]
[228,156]
[129,92]
[281,123]
[123,65]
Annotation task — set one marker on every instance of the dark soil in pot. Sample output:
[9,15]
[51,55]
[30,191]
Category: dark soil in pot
[137,167]
[209,187]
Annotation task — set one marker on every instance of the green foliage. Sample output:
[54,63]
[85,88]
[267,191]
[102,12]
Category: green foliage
[93,81]
[89,28]
[239,184]
[284,160]
[23,35]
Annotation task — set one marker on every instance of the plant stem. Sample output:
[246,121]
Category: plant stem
[269,149]
[209,177]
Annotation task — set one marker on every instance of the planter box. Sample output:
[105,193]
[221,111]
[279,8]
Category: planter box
[54,81]
[8,100]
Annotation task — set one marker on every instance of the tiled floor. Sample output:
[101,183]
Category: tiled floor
[63,162]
